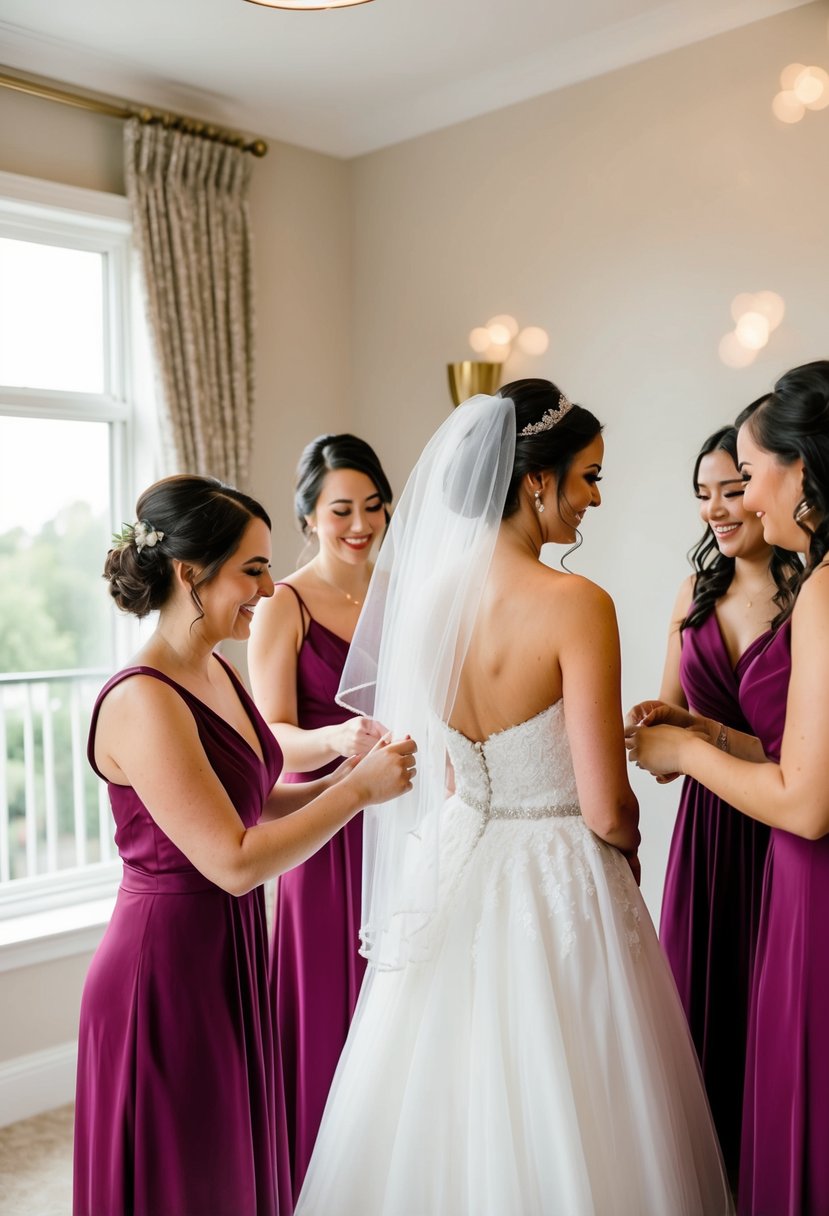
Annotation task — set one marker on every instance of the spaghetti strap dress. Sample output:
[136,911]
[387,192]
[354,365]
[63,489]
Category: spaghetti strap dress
[177,1109]
[316,970]
[784,1169]
[713,887]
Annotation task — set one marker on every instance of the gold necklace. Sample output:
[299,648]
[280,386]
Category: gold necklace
[769,588]
[335,587]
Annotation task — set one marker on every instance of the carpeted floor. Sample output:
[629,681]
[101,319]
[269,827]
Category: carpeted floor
[36,1165]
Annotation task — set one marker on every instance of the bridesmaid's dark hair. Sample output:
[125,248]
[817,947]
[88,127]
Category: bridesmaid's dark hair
[550,451]
[793,422]
[713,570]
[202,521]
[329,452]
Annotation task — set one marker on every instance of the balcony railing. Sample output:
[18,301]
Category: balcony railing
[54,811]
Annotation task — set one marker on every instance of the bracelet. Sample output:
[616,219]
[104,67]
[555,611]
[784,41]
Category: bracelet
[722,738]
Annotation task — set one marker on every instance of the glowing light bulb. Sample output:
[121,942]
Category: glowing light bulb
[498,352]
[818,77]
[479,339]
[533,340]
[743,303]
[808,87]
[733,354]
[771,306]
[752,330]
[507,322]
[787,108]
[499,335]
[789,75]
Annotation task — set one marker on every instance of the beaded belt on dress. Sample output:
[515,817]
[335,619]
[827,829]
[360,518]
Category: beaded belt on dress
[558,810]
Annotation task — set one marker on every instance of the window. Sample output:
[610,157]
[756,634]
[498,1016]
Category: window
[72,449]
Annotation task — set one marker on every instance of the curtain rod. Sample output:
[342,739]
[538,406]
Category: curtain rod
[191,126]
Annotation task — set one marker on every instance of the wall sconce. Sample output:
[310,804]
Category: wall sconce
[802,88]
[494,341]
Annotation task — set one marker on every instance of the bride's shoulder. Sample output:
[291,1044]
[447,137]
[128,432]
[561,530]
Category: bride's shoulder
[575,592]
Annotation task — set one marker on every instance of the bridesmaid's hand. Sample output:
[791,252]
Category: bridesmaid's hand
[657,749]
[356,736]
[659,713]
[386,771]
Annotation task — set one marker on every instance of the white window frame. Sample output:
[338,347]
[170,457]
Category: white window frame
[51,213]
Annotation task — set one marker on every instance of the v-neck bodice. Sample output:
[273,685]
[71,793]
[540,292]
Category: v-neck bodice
[710,683]
[247,779]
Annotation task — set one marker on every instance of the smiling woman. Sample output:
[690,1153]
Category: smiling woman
[298,648]
[722,615]
[178,1109]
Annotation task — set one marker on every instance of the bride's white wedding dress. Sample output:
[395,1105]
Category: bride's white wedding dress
[539,1061]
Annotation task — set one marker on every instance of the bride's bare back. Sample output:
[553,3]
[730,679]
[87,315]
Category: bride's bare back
[541,635]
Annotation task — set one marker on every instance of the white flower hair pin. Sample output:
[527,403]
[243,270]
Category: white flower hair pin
[142,534]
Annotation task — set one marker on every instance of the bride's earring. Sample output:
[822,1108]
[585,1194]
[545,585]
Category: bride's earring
[801,512]
[539,505]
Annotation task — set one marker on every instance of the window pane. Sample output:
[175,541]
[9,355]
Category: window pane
[51,317]
[56,618]
[54,534]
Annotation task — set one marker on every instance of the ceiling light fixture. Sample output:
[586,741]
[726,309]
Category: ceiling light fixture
[308,5]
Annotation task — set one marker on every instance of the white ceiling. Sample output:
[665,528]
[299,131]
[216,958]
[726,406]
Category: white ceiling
[351,80]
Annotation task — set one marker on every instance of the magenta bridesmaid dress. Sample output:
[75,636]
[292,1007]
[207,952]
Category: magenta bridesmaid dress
[178,1102]
[713,886]
[316,969]
[785,1161]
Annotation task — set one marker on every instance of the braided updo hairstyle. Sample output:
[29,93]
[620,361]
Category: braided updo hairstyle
[791,423]
[552,451]
[202,522]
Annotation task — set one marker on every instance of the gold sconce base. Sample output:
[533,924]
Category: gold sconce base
[468,378]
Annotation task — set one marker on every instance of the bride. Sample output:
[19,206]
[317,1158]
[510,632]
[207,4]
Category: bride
[518,1047]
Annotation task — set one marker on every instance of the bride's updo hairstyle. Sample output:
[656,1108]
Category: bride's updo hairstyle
[792,422]
[197,520]
[326,453]
[549,451]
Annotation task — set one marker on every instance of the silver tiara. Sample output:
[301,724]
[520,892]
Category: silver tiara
[549,419]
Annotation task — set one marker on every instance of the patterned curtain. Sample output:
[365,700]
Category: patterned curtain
[191,224]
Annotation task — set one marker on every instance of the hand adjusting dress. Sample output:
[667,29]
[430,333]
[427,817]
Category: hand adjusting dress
[713,884]
[538,1060]
[316,967]
[177,1112]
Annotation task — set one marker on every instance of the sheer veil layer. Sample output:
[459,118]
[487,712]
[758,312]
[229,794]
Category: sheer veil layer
[408,650]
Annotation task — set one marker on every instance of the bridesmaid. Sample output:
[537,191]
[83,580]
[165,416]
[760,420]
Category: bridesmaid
[177,1111]
[298,648]
[781,778]
[711,904]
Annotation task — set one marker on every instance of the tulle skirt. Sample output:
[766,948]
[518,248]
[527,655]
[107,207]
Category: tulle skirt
[538,1062]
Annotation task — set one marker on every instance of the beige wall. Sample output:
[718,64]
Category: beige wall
[299,206]
[622,214]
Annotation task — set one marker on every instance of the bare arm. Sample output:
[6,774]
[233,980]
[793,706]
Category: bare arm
[276,637]
[591,681]
[147,738]
[793,794]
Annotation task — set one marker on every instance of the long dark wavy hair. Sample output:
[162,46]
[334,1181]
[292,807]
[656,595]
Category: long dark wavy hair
[793,422]
[713,571]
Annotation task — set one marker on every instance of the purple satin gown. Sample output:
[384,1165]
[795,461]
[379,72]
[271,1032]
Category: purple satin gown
[316,969]
[785,1161]
[713,886]
[178,1113]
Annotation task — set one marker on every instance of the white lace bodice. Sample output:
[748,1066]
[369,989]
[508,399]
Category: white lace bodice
[525,771]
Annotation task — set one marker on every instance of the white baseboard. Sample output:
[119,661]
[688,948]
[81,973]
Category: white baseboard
[34,1083]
